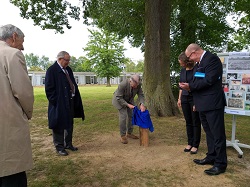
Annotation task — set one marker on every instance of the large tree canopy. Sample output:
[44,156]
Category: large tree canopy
[202,22]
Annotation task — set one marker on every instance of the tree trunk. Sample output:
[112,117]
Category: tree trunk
[156,80]
[108,82]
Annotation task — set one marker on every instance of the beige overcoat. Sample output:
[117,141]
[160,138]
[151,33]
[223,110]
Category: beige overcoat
[16,106]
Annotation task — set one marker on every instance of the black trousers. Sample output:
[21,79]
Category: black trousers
[15,180]
[214,127]
[63,137]
[193,123]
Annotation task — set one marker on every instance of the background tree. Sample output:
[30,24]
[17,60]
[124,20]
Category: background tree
[80,64]
[139,66]
[202,22]
[45,63]
[35,63]
[84,65]
[130,66]
[241,21]
[106,53]
[32,60]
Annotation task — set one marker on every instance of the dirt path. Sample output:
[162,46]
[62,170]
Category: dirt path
[158,156]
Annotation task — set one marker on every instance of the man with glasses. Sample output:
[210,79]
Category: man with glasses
[123,100]
[64,103]
[209,100]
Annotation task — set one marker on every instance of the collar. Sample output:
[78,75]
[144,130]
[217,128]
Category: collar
[59,65]
[202,55]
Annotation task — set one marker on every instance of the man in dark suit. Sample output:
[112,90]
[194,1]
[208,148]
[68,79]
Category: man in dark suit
[64,102]
[123,100]
[209,100]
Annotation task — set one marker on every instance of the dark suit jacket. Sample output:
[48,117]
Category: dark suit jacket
[57,90]
[122,96]
[208,93]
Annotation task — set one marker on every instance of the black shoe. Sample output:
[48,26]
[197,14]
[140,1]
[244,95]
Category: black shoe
[62,152]
[187,150]
[215,170]
[72,148]
[204,161]
[194,152]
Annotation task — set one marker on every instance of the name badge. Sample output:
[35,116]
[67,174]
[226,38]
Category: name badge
[199,74]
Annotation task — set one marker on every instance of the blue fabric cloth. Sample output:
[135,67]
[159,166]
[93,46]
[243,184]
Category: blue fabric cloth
[142,119]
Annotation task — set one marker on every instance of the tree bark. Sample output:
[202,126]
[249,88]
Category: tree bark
[108,82]
[156,80]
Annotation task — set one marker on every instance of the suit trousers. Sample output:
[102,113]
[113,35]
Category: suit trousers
[15,180]
[125,121]
[193,123]
[214,127]
[63,137]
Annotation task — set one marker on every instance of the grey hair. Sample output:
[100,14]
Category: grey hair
[61,54]
[135,78]
[6,32]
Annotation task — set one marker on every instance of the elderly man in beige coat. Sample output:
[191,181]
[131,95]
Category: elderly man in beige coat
[16,108]
[123,100]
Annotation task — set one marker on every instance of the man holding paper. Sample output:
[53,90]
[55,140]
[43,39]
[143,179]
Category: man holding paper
[209,100]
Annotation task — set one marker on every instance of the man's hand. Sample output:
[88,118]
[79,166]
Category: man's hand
[131,106]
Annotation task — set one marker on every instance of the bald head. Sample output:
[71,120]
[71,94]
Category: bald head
[193,47]
[194,52]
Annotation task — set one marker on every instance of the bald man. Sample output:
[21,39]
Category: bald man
[209,100]
[123,100]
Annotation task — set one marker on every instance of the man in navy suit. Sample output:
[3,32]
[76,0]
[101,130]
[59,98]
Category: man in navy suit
[209,100]
[64,102]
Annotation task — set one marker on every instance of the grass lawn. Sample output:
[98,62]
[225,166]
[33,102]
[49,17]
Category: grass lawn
[102,161]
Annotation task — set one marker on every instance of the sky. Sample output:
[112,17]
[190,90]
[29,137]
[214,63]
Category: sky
[47,42]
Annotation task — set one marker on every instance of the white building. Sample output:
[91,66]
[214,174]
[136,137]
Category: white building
[82,78]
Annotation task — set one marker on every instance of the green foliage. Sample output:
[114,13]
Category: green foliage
[123,17]
[52,14]
[131,66]
[105,52]
[85,65]
[202,22]
[140,66]
[241,18]
[35,63]
[80,65]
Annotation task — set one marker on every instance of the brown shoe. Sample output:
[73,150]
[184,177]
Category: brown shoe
[124,139]
[132,136]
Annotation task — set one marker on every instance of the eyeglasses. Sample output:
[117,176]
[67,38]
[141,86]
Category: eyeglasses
[191,54]
[67,60]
